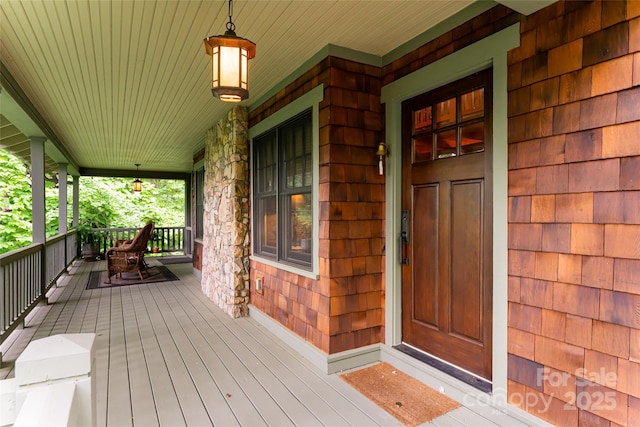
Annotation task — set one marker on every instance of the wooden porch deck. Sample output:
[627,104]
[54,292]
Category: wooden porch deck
[167,356]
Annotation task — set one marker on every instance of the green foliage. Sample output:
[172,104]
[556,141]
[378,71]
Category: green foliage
[97,202]
[111,202]
[15,181]
[15,226]
[87,235]
[104,203]
[153,217]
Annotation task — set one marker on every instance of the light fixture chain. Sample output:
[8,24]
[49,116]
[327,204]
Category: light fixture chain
[230,25]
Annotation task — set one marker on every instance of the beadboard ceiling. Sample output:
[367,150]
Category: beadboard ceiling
[125,82]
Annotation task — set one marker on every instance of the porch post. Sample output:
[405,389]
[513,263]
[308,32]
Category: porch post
[187,242]
[76,201]
[62,198]
[38,217]
[62,207]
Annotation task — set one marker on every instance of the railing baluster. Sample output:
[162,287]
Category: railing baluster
[18,290]
[3,298]
[10,297]
[14,293]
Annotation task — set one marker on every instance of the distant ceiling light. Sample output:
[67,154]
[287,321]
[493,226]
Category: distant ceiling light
[137,184]
[229,57]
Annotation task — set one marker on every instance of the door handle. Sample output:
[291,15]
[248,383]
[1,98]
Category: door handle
[404,238]
[404,227]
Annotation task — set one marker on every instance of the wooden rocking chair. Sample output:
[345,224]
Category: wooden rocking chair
[128,256]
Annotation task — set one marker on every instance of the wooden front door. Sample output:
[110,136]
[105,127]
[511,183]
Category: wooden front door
[447,211]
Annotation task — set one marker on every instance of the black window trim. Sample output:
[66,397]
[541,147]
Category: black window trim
[312,100]
[282,254]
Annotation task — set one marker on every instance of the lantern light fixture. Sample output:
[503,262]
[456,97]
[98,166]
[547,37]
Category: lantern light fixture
[137,184]
[230,55]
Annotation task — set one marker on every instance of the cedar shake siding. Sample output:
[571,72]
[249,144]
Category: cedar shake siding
[574,227]
[573,207]
[343,309]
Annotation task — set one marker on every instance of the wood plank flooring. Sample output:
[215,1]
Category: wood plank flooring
[167,356]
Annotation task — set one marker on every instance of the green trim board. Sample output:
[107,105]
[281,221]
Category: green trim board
[327,363]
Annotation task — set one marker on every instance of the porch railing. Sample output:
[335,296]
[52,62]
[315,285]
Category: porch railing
[163,240]
[26,275]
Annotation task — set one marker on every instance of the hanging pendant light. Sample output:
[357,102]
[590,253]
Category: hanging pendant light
[230,55]
[137,184]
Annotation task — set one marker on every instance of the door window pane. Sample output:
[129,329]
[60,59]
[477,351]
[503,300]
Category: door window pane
[423,148]
[446,113]
[472,138]
[446,143]
[472,105]
[422,120]
[459,127]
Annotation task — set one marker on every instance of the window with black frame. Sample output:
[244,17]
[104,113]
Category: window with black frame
[282,196]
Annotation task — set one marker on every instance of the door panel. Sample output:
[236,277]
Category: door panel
[446,187]
[465,310]
[425,273]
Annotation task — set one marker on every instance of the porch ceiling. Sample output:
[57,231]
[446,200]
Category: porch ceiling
[125,82]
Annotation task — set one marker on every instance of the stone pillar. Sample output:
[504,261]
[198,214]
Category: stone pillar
[225,259]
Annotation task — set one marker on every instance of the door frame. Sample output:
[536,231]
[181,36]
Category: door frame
[488,52]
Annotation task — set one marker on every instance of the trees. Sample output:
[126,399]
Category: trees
[15,226]
[15,182]
[104,202]
[110,202]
